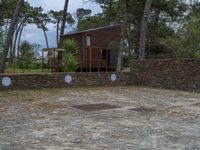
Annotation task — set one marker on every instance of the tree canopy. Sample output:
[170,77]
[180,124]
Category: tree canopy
[172,26]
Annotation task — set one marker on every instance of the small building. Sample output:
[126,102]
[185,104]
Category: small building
[96,52]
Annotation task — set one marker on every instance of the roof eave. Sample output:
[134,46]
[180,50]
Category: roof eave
[89,30]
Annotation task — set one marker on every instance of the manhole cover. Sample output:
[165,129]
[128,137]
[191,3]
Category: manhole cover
[95,107]
[196,104]
[143,109]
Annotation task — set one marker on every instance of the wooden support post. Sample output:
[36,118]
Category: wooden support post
[48,61]
[90,59]
[81,65]
[99,65]
[54,60]
[107,60]
[42,61]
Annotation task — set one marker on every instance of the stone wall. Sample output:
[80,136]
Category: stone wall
[34,81]
[179,74]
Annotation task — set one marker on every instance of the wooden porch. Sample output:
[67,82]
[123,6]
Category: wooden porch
[94,59]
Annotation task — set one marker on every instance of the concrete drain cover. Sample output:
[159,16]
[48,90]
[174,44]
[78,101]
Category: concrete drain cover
[143,109]
[196,104]
[95,107]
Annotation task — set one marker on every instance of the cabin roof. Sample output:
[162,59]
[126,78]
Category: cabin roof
[52,49]
[94,29]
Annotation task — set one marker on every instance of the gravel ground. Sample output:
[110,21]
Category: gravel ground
[45,120]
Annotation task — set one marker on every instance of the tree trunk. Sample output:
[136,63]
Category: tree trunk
[10,53]
[15,40]
[110,11]
[57,33]
[6,26]
[143,29]
[11,31]
[62,30]
[120,53]
[1,37]
[47,44]
[18,36]
[46,39]
[121,46]
[4,31]
[19,40]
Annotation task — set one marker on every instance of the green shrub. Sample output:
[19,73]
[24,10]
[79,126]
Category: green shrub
[197,55]
[70,63]
[35,65]
[70,60]
[26,57]
[71,46]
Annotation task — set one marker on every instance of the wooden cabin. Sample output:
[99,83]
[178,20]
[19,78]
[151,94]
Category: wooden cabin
[95,52]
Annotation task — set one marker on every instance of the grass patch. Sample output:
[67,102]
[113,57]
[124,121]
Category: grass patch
[18,70]
[11,93]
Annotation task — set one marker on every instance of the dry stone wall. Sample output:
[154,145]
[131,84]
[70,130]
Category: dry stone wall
[34,81]
[178,74]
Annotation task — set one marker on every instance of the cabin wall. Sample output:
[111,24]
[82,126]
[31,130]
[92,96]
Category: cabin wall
[78,38]
[103,37]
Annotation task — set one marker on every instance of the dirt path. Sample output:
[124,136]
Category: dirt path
[147,119]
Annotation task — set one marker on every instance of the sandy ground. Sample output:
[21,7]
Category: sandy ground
[45,120]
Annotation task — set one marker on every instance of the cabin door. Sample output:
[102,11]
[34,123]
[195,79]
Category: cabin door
[113,59]
[104,54]
[105,57]
[110,56]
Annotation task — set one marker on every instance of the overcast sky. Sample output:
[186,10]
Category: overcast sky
[34,35]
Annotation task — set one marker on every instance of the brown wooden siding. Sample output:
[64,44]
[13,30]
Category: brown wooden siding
[103,37]
[100,40]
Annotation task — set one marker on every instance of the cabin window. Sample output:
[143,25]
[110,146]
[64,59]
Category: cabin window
[88,40]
